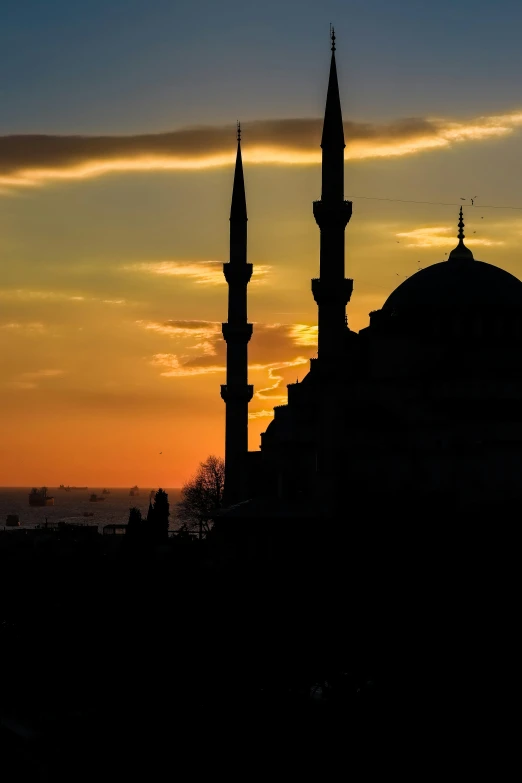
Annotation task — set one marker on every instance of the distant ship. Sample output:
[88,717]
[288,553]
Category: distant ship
[39,497]
[68,489]
[135,490]
[12,520]
[106,492]
[95,498]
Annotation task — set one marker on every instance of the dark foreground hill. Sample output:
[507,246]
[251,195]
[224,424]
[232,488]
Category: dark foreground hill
[154,658]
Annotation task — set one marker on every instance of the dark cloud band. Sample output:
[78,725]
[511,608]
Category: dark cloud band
[41,157]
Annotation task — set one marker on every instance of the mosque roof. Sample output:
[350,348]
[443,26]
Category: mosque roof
[460,282]
[471,284]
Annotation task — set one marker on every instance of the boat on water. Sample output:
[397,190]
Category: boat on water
[134,491]
[12,520]
[95,498]
[68,488]
[106,492]
[39,497]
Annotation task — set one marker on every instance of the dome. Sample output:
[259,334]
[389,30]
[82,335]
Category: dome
[457,285]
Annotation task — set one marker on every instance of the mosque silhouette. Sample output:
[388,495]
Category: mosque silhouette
[421,410]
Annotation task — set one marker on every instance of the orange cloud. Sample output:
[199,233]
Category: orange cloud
[32,160]
[274,391]
[441,236]
[29,380]
[24,295]
[29,328]
[274,349]
[263,414]
[204,272]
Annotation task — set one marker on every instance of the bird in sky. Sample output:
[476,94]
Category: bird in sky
[161,452]
[474,232]
[462,199]
[473,201]
[482,217]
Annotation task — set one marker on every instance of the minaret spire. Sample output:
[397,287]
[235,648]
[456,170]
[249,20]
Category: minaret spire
[238,210]
[461,252]
[332,141]
[237,332]
[332,290]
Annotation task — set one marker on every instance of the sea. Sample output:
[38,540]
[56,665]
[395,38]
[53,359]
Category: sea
[75,506]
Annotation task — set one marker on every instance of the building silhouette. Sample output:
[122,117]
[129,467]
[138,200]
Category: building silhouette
[420,410]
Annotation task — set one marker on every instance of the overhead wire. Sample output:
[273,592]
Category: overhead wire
[432,203]
[436,203]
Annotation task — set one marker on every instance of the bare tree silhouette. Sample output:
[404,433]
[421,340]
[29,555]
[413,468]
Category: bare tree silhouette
[202,495]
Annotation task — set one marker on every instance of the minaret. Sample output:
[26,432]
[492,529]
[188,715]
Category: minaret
[237,332]
[332,290]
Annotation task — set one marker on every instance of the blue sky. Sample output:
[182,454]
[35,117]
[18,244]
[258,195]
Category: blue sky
[70,66]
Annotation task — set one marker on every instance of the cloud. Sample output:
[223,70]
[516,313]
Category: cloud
[200,329]
[206,333]
[29,380]
[30,328]
[32,160]
[264,414]
[302,334]
[441,236]
[205,272]
[173,367]
[38,374]
[25,295]
[274,350]
[28,296]
[25,385]
[270,343]
[274,391]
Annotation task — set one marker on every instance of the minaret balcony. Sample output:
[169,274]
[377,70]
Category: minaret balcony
[237,334]
[332,214]
[237,393]
[237,273]
[331,291]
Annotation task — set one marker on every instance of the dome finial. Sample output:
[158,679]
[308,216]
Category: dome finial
[461,252]
[461,226]
[332,36]
[239,132]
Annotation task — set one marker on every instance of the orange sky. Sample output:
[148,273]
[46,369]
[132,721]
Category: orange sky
[112,295]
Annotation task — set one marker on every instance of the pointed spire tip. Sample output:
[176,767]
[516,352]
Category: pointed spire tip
[238,131]
[332,36]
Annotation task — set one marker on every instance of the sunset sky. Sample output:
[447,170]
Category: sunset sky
[117,139]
